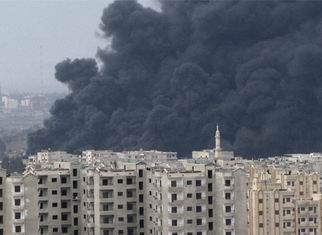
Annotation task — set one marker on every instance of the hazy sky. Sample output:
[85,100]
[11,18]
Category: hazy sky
[36,35]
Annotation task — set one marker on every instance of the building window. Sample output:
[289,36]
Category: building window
[55,204]
[54,192]
[199,221]
[173,183]
[63,192]
[189,195]
[129,193]
[63,180]
[130,218]
[140,173]
[140,185]
[17,215]
[18,229]
[17,189]
[198,209]
[198,195]
[210,187]
[141,198]
[74,172]
[75,185]
[228,209]
[130,206]
[189,221]
[141,211]
[130,231]
[63,204]
[189,182]
[173,209]
[55,217]
[227,196]
[141,223]
[189,208]
[210,226]
[129,181]
[227,183]
[198,183]
[210,213]
[228,221]
[209,174]
[17,202]
[120,181]
[174,222]
[54,180]
[173,197]
[64,230]
[210,200]
[75,210]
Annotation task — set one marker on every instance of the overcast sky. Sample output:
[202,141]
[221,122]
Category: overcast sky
[36,35]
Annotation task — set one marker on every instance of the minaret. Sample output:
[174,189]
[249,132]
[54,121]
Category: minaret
[218,147]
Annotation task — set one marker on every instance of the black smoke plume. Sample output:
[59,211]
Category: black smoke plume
[254,67]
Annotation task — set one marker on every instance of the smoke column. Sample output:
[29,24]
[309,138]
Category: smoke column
[254,67]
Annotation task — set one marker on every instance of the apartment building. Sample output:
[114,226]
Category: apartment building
[177,201]
[58,198]
[284,202]
[21,212]
[152,192]
[108,201]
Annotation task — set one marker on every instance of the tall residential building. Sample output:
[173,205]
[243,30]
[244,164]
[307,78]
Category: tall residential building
[284,202]
[152,192]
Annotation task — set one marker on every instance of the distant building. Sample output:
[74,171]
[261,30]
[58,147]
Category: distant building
[9,103]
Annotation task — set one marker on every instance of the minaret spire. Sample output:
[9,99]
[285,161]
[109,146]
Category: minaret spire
[218,144]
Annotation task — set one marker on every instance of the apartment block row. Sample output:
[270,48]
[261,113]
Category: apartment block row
[155,193]
[66,194]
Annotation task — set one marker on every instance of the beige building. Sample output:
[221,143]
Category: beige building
[284,202]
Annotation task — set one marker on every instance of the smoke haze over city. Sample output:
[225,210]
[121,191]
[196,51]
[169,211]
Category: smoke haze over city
[169,76]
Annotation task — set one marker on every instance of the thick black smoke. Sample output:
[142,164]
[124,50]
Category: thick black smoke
[254,67]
